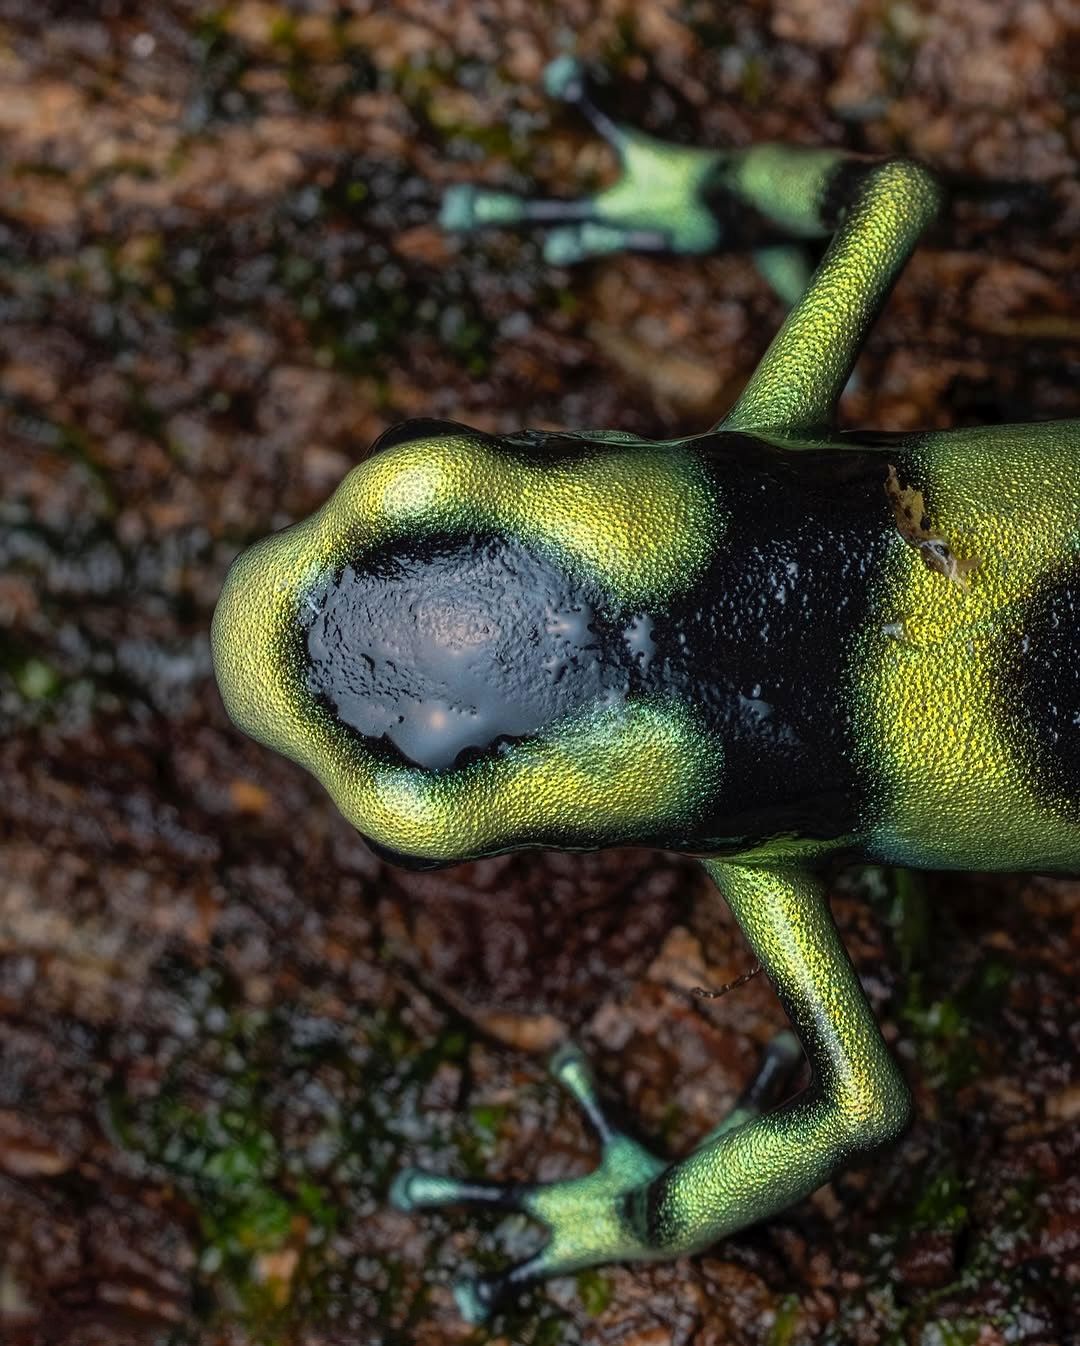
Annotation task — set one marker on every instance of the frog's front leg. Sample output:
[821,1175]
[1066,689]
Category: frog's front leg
[634,1207]
[876,211]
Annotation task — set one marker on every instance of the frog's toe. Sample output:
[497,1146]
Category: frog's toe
[565,78]
[570,1067]
[413,1189]
[466,207]
[594,238]
[575,242]
[457,213]
[477,1297]
[563,247]
[417,1189]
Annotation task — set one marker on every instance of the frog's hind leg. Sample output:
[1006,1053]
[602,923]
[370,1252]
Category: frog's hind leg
[580,1214]
[633,1206]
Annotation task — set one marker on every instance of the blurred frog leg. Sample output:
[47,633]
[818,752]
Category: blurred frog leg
[657,203]
[467,208]
[787,269]
[878,209]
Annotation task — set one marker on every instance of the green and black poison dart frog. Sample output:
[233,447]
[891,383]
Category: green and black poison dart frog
[765,645]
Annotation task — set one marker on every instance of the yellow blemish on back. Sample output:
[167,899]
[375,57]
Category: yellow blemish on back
[915,527]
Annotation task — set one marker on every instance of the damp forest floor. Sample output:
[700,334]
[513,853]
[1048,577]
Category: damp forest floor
[224,1025]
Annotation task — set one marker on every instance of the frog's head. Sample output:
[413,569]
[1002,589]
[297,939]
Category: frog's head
[453,643]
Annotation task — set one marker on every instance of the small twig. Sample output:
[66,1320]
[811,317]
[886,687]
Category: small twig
[728,986]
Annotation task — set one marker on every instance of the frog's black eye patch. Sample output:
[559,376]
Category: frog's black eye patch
[425,427]
[450,646]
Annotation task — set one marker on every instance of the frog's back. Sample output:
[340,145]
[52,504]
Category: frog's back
[760,643]
[885,647]
[966,694]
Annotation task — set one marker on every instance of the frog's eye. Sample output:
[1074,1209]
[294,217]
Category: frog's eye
[424,427]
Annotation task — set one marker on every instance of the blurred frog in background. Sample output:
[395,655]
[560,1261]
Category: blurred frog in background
[770,645]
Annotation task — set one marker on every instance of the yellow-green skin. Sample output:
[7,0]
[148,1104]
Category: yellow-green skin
[940,660]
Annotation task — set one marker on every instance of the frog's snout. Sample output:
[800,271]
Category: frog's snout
[235,668]
[249,643]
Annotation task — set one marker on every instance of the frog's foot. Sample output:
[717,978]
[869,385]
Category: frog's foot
[584,227]
[580,233]
[583,1216]
[566,78]
[467,208]
[593,1219]
[660,201]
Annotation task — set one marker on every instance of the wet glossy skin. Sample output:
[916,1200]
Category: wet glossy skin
[762,645]
[443,651]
